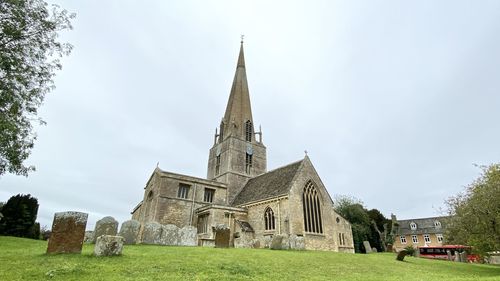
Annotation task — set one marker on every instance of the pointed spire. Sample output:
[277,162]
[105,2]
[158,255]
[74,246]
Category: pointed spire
[238,110]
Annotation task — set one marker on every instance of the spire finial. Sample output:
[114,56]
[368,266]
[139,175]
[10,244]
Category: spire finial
[242,37]
[305,151]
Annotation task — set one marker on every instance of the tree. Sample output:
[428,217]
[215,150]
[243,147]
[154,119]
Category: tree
[19,216]
[475,213]
[352,210]
[29,56]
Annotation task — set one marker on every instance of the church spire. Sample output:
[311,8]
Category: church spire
[237,120]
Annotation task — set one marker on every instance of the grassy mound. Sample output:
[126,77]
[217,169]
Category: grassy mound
[24,259]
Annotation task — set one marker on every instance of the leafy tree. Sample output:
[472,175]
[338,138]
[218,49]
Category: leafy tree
[380,229]
[29,56]
[352,210]
[19,217]
[475,213]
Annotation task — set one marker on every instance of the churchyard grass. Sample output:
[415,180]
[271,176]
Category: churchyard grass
[24,259]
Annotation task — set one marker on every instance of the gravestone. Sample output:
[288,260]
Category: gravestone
[89,235]
[285,243]
[367,246]
[152,233]
[448,253]
[105,226]
[374,250]
[255,243]
[170,235]
[277,242]
[188,236]
[222,236]
[401,255]
[463,257]
[130,231]
[108,245]
[68,231]
[296,242]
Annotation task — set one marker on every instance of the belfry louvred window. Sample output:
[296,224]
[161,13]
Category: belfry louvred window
[269,219]
[248,163]
[312,209]
[248,131]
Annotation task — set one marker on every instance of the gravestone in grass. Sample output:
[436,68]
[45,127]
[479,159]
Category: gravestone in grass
[130,231]
[105,226]
[368,247]
[277,242]
[152,233]
[188,236]
[222,235]
[170,235]
[68,231]
[108,245]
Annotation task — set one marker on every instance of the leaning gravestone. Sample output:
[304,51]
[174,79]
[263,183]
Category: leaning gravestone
[296,242]
[108,245]
[368,248]
[188,236]
[222,235]
[105,226]
[170,235]
[130,231]
[152,233]
[68,231]
[277,242]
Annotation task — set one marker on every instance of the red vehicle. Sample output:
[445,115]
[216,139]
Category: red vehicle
[441,252]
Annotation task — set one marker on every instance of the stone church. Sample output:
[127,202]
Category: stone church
[240,195]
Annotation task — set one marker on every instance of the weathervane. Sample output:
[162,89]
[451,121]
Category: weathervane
[305,151]
[242,37]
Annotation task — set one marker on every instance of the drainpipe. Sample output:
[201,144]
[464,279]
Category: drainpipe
[279,217]
[192,206]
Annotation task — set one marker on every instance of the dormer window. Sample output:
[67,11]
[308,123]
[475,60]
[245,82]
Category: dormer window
[248,131]
[437,224]
[413,226]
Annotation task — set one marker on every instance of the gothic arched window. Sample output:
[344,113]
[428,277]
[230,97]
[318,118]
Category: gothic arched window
[248,131]
[269,219]
[312,209]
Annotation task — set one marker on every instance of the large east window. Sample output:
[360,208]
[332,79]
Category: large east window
[312,209]
[269,219]
[183,191]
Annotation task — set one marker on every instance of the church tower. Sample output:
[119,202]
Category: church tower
[238,153]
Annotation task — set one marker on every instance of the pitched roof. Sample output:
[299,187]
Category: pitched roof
[271,184]
[424,225]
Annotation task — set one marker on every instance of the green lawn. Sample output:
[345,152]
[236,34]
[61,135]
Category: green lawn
[24,259]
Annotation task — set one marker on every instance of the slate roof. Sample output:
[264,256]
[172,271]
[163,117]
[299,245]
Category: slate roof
[424,226]
[271,184]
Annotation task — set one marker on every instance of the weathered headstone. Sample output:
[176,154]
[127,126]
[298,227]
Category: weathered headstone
[152,233]
[255,243]
[68,231]
[389,248]
[367,246]
[276,243]
[285,243]
[222,236]
[108,245]
[401,255]
[130,231]
[267,241]
[463,257]
[170,235]
[296,242]
[374,250]
[105,226]
[188,236]
[448,253]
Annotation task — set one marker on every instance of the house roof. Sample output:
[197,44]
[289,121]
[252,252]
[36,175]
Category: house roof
[424,226]
[271,184]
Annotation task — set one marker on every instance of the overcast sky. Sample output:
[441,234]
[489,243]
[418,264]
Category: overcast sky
[393,100]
